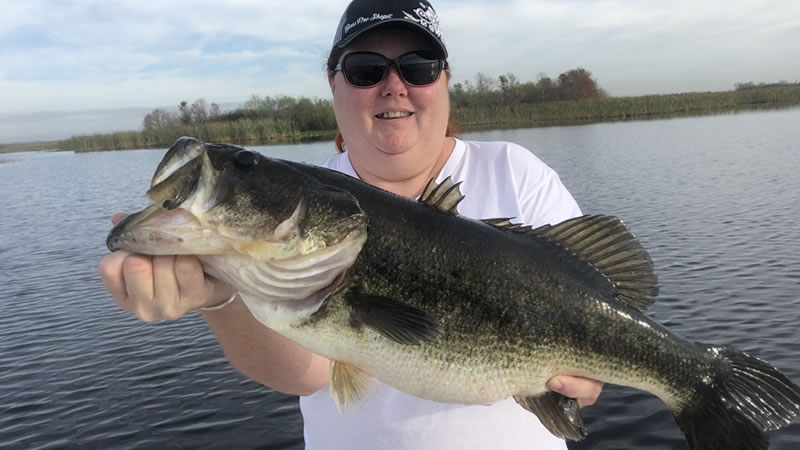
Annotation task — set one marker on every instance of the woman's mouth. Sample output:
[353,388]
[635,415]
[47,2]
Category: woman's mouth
[393,115]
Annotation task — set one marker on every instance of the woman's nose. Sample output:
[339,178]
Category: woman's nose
[393,83]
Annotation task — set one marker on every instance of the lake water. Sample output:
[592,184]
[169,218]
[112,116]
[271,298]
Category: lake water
[714,199]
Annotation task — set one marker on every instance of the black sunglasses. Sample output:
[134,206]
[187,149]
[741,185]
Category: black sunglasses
[366,69]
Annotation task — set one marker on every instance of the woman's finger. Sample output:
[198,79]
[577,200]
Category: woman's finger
[191,281]
[117,218]
[166,293]
[138,273]
[110,269]
[585,390]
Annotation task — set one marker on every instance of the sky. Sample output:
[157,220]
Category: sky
[83,66]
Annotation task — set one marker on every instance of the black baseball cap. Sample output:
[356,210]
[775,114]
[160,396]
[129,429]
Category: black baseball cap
[363,15]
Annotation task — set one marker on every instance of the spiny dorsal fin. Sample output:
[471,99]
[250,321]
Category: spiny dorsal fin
[350,387]
[607,244]
[559,414]
[443,197]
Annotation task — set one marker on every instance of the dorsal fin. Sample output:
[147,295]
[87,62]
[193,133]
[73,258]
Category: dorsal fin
[443,197]
[507,225]
[606,243]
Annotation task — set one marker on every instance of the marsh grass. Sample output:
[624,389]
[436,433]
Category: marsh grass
[243,131]
[268,131]
[30,146]
[616,108]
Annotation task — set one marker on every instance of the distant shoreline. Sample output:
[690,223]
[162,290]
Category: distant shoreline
[250,132]
[36,146]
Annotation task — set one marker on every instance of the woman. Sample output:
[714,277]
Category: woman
[389,80]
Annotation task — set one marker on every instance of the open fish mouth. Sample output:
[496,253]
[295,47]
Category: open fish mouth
[158,231]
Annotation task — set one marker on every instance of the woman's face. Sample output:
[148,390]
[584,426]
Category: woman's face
[391,147]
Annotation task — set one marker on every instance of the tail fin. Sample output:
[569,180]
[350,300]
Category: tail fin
[745,398]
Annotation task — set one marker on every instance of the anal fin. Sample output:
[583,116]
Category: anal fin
[559,414]
[350,387]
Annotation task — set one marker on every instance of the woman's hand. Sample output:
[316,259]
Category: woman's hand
[159,287]
[582,389]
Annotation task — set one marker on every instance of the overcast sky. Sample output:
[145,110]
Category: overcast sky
[87,55]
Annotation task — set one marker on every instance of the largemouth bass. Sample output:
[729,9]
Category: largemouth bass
[443,307]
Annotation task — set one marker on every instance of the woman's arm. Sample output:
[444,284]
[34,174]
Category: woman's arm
[264,355]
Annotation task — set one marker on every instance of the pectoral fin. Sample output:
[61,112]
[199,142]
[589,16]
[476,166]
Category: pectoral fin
[559,414]
[395,320]
[350,387]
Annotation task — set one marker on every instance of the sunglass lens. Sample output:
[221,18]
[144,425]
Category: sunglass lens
[418,69]
[363,69]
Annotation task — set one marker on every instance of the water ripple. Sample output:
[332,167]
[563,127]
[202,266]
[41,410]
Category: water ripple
[713,199]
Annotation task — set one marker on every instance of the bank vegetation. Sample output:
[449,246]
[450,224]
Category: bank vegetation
[30,146]
[574,96]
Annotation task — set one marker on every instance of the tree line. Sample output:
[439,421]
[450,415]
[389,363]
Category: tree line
[485,101]
[303,114]
[752,85]
[277,127]
[507,90]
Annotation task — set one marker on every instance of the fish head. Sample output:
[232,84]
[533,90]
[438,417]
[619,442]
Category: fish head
[246,216]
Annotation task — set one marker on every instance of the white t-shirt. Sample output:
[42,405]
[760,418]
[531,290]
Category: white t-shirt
[500,180]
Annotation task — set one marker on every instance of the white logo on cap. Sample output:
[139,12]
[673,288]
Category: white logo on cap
[362,20]
[426,16]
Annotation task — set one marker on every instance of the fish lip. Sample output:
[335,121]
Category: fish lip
[114,236]
[136,234]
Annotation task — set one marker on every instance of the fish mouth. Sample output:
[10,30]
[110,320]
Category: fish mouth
[284,255]
[186,186]
[159,231]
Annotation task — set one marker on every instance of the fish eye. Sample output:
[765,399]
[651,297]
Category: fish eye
[245,158]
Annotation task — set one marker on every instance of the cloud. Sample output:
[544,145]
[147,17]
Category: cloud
[59,55]
[53,95]
[88,54]
[633,47]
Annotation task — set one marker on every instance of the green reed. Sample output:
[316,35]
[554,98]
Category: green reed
[263,131]
[625,107]
[243,131]
[29,146]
